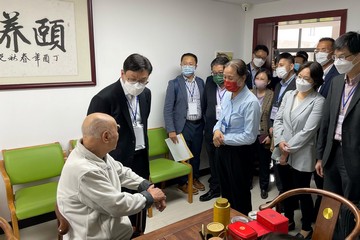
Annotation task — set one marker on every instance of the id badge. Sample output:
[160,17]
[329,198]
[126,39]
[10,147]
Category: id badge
[223,126]
[192,108]
[218,111]
[274,111]
[339,125]
[139,136]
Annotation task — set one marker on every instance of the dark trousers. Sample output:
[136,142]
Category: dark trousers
[277,177]
[140,165]
[193,135]
[319,182]
[337,180]
[264,156]
[212,156]
[234,168]
[291,179]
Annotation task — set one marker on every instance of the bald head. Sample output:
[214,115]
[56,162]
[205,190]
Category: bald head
[99,133]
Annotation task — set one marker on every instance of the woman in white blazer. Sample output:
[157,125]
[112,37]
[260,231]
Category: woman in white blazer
[295,128]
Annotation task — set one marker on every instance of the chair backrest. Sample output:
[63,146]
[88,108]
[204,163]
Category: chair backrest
[328,213]
[8,231]
[157,144]
[30,164]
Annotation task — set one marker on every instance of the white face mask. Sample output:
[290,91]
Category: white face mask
[302,85]
[258,62]
[322,58]
[260,84]
[281,72]
[134,88]
[343,66]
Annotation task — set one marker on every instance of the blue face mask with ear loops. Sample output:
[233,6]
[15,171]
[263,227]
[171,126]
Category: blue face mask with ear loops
[188,70]
[296,66]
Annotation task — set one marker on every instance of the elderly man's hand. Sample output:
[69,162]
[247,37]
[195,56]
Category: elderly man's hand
[158,196]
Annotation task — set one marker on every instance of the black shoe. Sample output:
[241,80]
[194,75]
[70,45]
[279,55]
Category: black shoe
[264,194]
[309,236]
[209,195]
[291,226]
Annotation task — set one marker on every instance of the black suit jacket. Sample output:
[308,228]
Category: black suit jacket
[350,128]
[112,100]
[325,87]
[248,80]
[210,108]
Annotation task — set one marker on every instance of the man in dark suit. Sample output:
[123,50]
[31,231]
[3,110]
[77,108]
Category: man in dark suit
[338,144]
[183,113]
[128,101]
[323,53]
[285,71]
[259,56]
[214,92]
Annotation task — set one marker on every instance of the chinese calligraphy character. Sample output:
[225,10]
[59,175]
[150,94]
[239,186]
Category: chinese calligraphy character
[13,57]
[11,26]
[46,58]
[1,57]
[56,32]
[24,58]
[37,58]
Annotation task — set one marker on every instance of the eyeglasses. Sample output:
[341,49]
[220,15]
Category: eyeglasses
[322,50]
[142,81]
[341,57]
[217,73]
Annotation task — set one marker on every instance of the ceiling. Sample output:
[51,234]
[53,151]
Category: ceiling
[251,2]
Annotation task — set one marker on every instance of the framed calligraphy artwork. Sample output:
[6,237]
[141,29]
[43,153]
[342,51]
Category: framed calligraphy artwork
[46,43]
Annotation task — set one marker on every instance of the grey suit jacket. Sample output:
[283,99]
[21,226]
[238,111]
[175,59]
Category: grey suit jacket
[350,128]
[176,103]
[298,128]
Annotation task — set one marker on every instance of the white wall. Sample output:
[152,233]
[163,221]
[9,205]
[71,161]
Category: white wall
[162,30]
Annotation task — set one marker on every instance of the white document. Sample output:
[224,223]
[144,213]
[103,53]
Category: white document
[180,150]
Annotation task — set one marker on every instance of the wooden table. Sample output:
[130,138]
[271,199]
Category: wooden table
[185,229]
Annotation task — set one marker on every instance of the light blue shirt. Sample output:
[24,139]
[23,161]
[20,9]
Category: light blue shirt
[284,86]
[240,118]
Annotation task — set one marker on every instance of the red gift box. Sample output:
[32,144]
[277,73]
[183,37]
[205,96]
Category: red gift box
[273,220]
[259,229]
[240,231]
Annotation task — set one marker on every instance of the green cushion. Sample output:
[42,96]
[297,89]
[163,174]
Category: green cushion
[36,200]
[163,169]
[24,165]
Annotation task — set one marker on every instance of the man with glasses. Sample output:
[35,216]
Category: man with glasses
[183,113]
[338,144]
[259,56]
[323,52]
[128,102]
[214,93]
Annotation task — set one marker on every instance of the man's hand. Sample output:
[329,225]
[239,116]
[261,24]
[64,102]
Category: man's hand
[319,169]
[218,138]
[283,158]
[173,137]
[158,196]
[267,140]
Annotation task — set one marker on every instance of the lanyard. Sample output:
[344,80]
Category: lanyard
[220,96]
[352,90]
[133,113]
[193,90]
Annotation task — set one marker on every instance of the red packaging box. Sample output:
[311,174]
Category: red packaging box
[273,220]
[240,231]
[259,229]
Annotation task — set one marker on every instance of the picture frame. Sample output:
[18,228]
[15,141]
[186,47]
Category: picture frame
[46,44]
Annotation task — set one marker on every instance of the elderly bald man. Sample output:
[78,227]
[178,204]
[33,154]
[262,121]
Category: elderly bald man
[89,192]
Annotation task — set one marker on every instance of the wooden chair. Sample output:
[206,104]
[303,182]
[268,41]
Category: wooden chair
[8,231]
[63,224]
[33,170]
[328,212]
[162,168]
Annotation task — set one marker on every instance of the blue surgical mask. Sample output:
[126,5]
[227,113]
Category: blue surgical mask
[187,70]
[296,66]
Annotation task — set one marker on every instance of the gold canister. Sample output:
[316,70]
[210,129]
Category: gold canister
[222,211]
[214,229]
